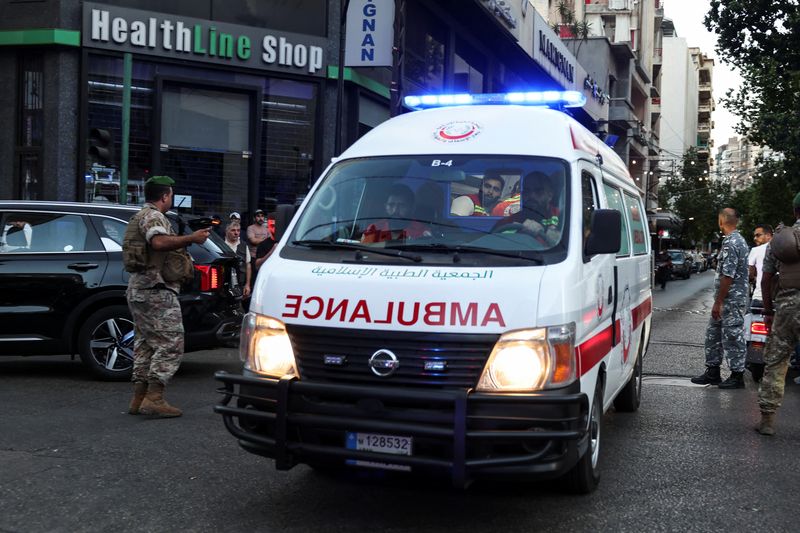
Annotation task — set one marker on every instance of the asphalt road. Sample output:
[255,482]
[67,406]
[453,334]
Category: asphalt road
[689,460]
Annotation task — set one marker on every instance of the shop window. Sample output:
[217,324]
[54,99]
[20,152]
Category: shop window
[288,125]
[30,124]
[424,60]
[468,68]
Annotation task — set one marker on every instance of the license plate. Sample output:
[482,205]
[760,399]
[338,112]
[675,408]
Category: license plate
[374,442]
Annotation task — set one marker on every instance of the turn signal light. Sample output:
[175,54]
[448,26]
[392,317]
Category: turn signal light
[759,328]
[209,277]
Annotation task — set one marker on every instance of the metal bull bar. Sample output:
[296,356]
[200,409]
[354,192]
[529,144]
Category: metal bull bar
[433,414]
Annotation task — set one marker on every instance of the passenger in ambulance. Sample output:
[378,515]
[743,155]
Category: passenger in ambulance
[539,215]
[481,203]
[510,205]
[399,223]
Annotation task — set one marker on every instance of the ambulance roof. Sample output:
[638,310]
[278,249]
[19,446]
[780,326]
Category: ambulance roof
[487,130]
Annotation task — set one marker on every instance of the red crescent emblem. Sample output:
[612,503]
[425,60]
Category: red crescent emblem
[444,135]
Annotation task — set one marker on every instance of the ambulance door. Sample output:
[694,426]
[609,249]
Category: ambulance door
[597,288]
[623,351]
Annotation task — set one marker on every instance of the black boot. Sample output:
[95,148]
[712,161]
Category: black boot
[734,381]
[709,377]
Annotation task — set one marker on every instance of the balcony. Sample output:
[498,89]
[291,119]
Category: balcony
[704,89]
[657,55]
[655,105]
[704,111]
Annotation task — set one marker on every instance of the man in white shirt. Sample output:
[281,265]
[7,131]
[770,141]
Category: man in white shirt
[761,236]
[232,239]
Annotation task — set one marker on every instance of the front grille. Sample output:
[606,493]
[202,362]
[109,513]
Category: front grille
[463,354]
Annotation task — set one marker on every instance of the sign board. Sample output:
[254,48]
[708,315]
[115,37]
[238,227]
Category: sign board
[178,37]
[369,34]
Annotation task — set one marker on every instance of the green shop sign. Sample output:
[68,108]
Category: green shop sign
[157,34]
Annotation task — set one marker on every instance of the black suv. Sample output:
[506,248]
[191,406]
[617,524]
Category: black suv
[62,286]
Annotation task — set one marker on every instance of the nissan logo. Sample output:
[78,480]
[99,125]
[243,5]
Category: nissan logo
[383,363]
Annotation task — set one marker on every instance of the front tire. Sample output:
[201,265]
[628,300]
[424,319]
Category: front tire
[105,343]
[585,475]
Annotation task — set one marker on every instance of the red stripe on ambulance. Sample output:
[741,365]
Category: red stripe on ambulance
[395,313]
[593,350]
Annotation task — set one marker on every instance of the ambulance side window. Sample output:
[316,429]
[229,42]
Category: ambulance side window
[614,198]
[588,203]
[635,215]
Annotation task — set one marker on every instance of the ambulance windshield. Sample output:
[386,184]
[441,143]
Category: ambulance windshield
[504,206]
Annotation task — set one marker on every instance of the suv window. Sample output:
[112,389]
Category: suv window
[25,232]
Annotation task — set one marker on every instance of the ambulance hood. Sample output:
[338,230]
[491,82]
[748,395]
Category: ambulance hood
[398,297]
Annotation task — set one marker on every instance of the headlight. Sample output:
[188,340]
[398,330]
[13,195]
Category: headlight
[265,348]
[531,359]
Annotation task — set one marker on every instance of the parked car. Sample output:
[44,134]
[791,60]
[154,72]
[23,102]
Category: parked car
[62,286]
[711,260]
[681,263]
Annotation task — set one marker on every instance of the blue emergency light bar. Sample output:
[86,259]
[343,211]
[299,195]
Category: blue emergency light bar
[535,98]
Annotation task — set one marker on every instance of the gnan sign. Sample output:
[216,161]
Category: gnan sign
[370,33]
[142,32]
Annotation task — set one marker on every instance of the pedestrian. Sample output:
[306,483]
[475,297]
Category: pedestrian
[257,232]
[783,318]
[158,262]
[761,236]
[725,332]
[232,238]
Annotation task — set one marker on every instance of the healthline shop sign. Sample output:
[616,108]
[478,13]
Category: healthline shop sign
[168,36]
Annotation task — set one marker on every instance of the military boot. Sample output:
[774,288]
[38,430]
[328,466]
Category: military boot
[139,391]
[709,377]
[734,381]
[154,403]
[767,424]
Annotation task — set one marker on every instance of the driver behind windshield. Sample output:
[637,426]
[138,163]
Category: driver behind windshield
[399,224]
[539,215]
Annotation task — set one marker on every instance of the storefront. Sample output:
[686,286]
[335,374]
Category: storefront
[235,100]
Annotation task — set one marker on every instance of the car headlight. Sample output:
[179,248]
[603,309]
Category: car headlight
[531,359]
[265,348]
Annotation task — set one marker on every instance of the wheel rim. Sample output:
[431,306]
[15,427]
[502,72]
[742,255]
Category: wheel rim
[111,344]
[594,433]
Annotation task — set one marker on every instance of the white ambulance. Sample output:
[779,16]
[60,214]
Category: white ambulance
[464,292]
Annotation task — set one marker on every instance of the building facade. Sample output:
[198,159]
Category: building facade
[236,100]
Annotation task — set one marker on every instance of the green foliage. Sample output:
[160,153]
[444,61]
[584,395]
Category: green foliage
[767,201]
[696,198]
[762,39]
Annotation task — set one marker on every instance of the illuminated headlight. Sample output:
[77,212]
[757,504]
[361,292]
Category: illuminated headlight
[531,359]
[265,348]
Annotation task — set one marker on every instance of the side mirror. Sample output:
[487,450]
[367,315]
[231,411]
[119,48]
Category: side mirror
[283,216]
[605,234]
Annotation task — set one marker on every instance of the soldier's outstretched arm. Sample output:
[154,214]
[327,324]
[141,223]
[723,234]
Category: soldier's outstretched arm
[165,243]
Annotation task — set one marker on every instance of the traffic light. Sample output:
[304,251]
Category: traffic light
[101,146]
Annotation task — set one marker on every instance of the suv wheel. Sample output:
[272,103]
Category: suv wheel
[105,343]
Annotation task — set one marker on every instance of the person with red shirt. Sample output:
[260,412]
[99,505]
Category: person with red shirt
[538,215]
[484,201]
[399,207]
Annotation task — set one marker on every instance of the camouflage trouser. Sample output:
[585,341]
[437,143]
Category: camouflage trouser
[158,334]
[783,338]
[726,337]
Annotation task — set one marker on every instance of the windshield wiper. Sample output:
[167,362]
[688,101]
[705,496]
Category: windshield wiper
[461,248]
[319,243]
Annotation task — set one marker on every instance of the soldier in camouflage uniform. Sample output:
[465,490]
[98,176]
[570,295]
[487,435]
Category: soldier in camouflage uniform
[725,332]
[153,301]
[783,336]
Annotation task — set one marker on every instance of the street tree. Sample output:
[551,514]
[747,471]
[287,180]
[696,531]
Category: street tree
[762,39]
[696,198]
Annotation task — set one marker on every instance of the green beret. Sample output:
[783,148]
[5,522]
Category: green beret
[161,180]
[796,202]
